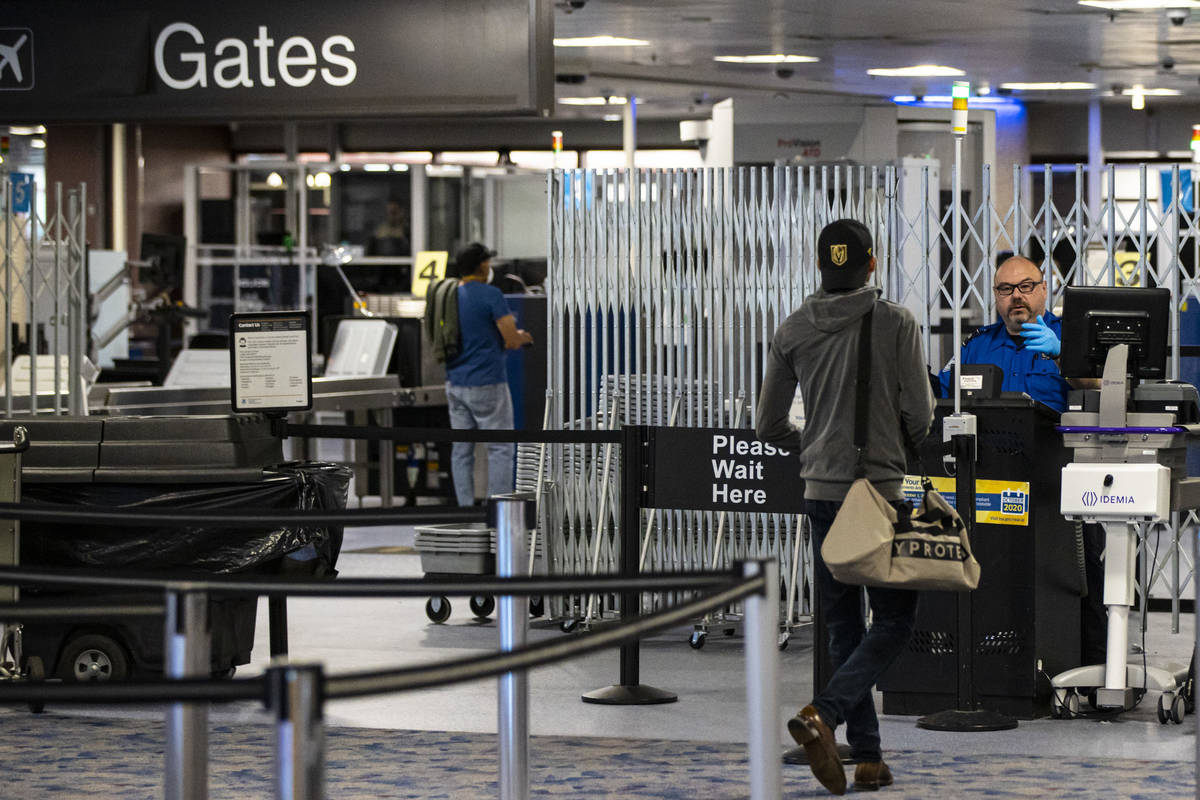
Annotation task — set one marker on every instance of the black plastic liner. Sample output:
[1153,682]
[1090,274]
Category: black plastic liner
[293,486]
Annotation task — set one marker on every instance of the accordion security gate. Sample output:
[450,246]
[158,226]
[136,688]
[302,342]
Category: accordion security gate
[666,286]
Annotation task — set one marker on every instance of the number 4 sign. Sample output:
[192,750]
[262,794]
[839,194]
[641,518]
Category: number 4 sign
[428,267]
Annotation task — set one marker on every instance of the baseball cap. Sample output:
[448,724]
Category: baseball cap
[843,254]
[471,256]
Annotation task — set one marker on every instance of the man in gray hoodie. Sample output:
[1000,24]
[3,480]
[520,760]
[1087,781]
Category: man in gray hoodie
[816,348]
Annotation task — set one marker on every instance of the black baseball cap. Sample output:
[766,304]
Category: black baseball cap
[471,256]
[844,254]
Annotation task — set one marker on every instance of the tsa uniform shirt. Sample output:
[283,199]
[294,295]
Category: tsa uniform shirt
[1024,371]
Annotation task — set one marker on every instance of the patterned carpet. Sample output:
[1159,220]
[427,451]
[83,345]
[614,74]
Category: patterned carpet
[59,755]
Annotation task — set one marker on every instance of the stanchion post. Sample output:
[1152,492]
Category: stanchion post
[513,516]
[762,681]
[635,446]
[296,699]
[277,621]
[187,656]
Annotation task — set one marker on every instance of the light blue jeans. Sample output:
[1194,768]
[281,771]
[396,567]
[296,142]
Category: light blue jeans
[487,408]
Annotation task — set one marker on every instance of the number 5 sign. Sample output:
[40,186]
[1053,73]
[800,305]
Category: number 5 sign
[429,266]
[22,192]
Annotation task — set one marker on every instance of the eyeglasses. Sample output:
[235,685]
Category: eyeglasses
[1025,287]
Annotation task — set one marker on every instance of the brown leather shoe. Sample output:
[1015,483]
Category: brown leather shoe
[809,730]
[870,775]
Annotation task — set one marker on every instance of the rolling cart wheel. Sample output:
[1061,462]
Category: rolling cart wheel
[35,671]
[1056,709]
[93,657]
[537,607]
[568,625]
[437,609]
[1178,709]
[697,640]
[1163,714]
[1073,704]
[482,606]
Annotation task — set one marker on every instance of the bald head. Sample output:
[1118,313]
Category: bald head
[1014,305]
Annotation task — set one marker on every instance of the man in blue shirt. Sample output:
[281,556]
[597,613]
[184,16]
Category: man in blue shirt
[1025,343]
[477,380]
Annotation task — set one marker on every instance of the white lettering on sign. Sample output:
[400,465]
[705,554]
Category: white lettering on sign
[295,62]
[740,460]
[723,494]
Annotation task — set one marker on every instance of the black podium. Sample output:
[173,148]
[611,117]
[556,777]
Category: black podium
[987,644]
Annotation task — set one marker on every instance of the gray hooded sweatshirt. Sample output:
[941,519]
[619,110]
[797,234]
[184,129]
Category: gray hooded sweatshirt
[817,348]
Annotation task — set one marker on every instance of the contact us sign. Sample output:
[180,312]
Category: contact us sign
[178,59]
[721,469]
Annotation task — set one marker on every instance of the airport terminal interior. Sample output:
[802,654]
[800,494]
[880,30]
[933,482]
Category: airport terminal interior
[256,530]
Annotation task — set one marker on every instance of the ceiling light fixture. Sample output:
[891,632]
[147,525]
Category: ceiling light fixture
[1137,97]
[26,130]
[778,58]
[1139,5]
[583,101]
[1139,89]
[275,180]
[918,71]
[1049,86]
[600,41]
[377,167]
[37,144]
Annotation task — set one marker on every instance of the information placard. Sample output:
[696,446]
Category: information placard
[722,469]
[996,502]
[270,361]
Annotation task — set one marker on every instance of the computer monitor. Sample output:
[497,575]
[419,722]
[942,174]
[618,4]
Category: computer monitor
[166,254]
[1095,318]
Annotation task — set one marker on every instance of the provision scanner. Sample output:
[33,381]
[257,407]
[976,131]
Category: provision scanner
[1128,471]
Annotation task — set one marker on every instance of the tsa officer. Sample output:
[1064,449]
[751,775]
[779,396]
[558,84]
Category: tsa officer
[1025,342]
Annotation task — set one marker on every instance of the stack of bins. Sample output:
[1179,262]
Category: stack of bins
[456,549]
[203,463]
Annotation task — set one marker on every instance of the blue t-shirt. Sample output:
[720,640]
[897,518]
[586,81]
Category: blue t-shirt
[481,360]
[1024,370]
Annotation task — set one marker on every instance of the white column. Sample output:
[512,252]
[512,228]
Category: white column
[629,130]
[118,194]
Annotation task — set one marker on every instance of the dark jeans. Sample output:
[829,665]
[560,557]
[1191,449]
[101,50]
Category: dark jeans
[858,655]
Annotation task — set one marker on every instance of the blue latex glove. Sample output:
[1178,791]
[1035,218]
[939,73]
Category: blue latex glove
[1039,338]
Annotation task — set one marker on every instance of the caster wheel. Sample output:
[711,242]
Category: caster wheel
[1178,709]
[482,606]
[1164,714]
[437,609]
[783,640]
[569,625]
[1073,704]
[697,640]
[1056,709]
[93,657]
[35,671]
[537,607]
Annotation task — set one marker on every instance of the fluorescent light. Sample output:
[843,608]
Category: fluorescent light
[275,180]
[777,58]
[377,167]
[37,144]
[399,167]
[1139,5]
[600,41]
[612,117]
[583,101]
[26,130]
[310,180]
[322,180]
[343,167]
[904,98]
[919,71]
[1049,86]
[990,100]
[1136,90]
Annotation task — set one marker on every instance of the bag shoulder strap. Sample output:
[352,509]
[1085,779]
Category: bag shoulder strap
[861,397]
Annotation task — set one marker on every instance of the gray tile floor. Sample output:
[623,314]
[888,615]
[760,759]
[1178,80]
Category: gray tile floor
[349,635]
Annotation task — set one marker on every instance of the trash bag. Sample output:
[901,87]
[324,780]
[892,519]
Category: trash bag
[289,487]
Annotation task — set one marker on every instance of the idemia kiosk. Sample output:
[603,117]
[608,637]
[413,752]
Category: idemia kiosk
[1128,470]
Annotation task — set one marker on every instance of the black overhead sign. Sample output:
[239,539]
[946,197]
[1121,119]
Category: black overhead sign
[721,469]
[130,60]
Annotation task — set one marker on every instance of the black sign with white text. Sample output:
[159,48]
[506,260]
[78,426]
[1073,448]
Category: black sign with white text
[722,469]
[129,60]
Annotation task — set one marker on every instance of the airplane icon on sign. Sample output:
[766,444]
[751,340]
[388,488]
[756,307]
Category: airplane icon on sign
[9,58]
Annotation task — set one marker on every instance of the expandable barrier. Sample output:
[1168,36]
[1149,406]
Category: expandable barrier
[295,693]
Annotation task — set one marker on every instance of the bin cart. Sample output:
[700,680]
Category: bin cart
[458,549]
